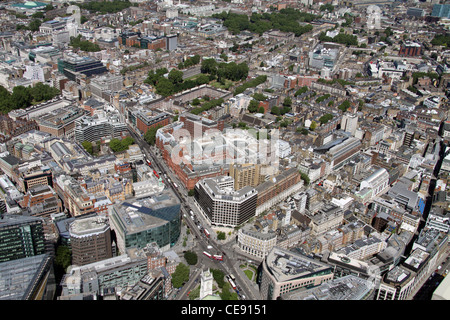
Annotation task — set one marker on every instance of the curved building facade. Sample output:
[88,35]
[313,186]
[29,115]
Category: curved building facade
[99,126]
[284,271]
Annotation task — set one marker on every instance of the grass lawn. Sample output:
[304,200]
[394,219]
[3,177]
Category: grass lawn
[249,270]
[249,274]
[228,84]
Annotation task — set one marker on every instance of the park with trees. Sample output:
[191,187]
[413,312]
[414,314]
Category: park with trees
[24,97]
[285,20]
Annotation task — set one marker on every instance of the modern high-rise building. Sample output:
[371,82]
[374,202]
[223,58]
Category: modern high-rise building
[349,123]
[137,222]
[21,237]
[90,239]
[171,42]
[246,174]
[222,204]
[73,65]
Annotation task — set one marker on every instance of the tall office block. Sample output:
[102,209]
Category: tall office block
[222,204]
[171,42]
[246,174]
[349,123]
[90,239]
[21,237]
[137,222]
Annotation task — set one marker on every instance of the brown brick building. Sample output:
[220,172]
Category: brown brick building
[90,239]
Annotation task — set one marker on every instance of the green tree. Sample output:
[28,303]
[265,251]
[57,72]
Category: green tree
[218,276]
[34,25]
[226,294]
[165,87]
[275,110]
[325,118]
[287,102]
[191,257]
[259,96]
[116,145]
[175,76]
[21,97]
[303,131]
[300,91]
[87,145]
[344,106]
[180,276]
[106,6]
[43,92]
[221,235]
[195,293]
[305,178]
[150,135]
[202,79]
[253,106]
[63,257]
[127,141]
[38,15]
[209,66]
[250,84]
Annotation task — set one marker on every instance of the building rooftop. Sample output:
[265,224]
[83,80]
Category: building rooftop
[84,227]
[18,278]
[140,214]
[285,265]
[216,189]
[346,288]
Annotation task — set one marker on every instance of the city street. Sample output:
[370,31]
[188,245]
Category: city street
[231,259]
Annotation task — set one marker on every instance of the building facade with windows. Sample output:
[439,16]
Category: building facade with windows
[100,126]
[222,204]
[284,271]
[21,237]
[90,239]
[137,222]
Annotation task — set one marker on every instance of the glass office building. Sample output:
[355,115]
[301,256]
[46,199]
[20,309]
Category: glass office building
[73,65]
[21,237]
[137,222]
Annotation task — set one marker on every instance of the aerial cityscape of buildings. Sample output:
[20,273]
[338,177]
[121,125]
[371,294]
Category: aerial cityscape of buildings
[224,150]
